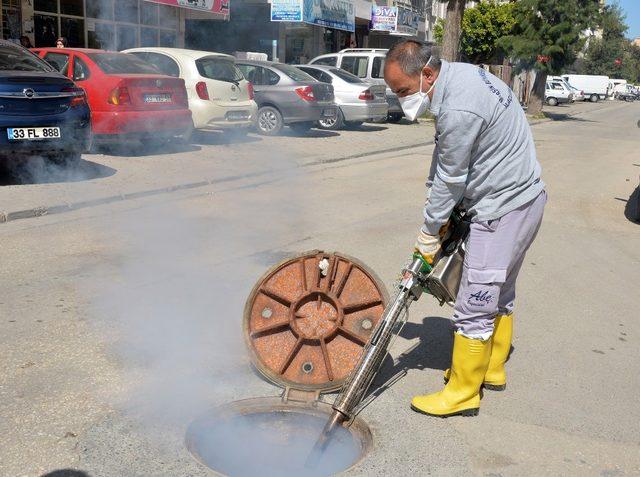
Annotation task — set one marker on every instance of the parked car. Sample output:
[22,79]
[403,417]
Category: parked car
[357,100]
[128,97]
[366,64]
[287,96]
[41,111]
[220,98]
[578,95]
[594,87]
[556,92]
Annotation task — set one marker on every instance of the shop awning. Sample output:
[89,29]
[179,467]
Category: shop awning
[219,7]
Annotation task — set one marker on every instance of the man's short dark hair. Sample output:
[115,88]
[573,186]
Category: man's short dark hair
[413,55]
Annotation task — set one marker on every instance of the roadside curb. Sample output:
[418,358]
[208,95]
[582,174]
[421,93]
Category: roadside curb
[43,210]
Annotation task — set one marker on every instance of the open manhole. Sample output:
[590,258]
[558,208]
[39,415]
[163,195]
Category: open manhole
[305,324]
[265,436]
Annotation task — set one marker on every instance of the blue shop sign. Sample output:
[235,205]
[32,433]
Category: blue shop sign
[338,14]
[286,10]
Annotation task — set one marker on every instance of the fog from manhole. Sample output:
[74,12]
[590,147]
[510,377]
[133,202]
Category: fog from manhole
[273,443]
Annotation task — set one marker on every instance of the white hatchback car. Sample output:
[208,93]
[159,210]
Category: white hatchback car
[220,98]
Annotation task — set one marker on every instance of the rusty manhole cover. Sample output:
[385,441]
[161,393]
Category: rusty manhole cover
[307,320]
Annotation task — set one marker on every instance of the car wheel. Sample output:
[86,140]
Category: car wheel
[594,98]
[552,101]
[336,122]
[301,127]
[269,122]
[394,117]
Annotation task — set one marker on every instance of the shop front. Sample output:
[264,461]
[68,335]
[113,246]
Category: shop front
[11,19]
[106,24]
[313,27]
[389,24]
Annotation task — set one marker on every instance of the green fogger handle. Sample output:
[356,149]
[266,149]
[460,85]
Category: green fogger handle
[425,270]
[425,267]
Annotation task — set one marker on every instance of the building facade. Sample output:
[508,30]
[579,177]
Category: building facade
[108,24]
[292,31]
[325,25]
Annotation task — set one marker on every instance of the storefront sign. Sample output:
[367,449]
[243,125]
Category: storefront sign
[384,18]
[220,7]
[407,22]
[363,9]
[286,10]
[338,14]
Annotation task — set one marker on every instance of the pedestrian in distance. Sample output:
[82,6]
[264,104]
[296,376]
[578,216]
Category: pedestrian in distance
[25,41]
[484,160]
[61,42]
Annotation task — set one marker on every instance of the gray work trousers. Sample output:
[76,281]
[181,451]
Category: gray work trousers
[495,250]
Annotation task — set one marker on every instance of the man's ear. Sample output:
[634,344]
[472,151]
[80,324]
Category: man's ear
[428,73]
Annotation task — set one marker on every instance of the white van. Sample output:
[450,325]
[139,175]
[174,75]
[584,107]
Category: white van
[557,92]
[595,87]
[366,64]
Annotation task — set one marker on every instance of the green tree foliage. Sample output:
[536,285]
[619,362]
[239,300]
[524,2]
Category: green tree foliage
[548,33]
[612,55]
[482,26]
[547,37]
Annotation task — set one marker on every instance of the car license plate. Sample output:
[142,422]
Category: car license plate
[329,113]
[33,134]
[237,115]
[157,98]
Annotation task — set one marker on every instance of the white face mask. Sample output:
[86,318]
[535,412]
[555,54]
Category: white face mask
[416,104]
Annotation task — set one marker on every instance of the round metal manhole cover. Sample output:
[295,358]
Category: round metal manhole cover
[308,318]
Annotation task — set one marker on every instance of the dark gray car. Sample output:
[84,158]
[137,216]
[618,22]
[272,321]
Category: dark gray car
[287,96]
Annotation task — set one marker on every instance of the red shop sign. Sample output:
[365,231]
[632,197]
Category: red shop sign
[212,6]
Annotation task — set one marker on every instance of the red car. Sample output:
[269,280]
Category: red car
[127,96]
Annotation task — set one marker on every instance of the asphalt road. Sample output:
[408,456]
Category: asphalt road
[121,317]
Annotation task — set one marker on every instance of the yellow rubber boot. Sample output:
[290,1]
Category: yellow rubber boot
[496,377]
[461,395]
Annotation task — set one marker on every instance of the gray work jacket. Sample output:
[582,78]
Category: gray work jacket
[484,150]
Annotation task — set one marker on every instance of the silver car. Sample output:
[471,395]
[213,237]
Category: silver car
[367,64]
[287,96]
[357,100]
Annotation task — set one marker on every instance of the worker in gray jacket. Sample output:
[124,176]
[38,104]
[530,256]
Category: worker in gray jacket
[485,159]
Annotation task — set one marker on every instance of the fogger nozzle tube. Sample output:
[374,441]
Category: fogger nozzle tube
[374,352]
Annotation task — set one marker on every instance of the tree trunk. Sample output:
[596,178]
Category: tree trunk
[453,30]
[536,100]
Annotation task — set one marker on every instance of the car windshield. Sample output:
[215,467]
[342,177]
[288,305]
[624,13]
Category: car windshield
[346,76]
[15,58]
[122,64]
[221,69]
[294,73]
